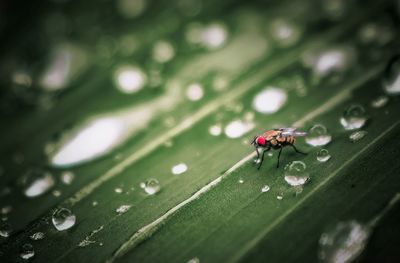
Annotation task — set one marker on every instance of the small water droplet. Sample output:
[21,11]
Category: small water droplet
[318,136]
[123,209]
[296,174]
[354,117]
[194,260]
[5,229]
[240,181]
[284,32]
[129,79]
[279,197]
[118,190]
[194,92]
[265,189]
[37,236]
[67,177]
[27,251]
[344,242]
[131,8]
[151,186]
[380,102]
[357,135]
[163,51]
[56,193]
[215,130]
[323,155]
[63,219]
[95,203]
[36,182]
[391,81]
[6,210]
[269,100]
[237,128]
[211,37]
[179,168]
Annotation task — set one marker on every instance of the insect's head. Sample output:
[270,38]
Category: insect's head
[259,141]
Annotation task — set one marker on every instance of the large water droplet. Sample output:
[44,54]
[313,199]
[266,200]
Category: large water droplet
[151,186]
[27,251]
[354,117]
[296,174]
[357,135]
[237,128]
[318,136]
[63,219]
[36,182]
[269,100]
[37,236]
[194,92]
[179,168]
[5,229]
[379,102]
[344,242]
[391,82]
[129,79]
[323,155]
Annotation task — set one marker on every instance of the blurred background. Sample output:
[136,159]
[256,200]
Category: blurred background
[117,115]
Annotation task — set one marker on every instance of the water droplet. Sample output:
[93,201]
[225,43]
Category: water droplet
[357,135]
[118,190]
[284,32]
[194,260]
[37,236]
[240,181]
[67,177]
[237,128]
[295,173]
[354,117]
[6,210]
[269,100]
[179,168]
[163,51]
[129,79]
[391,82]
[95,203]
[323,155]
[265,189]
[215,130]
[344,242]
[151,186]
[5,229]
[279,197]
[63,219]
[194,92]
[123,209]
[131,8]
[56,193]
[27,251]
[36,182]
[318,136]
[380,102]
[211,37]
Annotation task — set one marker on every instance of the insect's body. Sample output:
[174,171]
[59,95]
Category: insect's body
[276,139]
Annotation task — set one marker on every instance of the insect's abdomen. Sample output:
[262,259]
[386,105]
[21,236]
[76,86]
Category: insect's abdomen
[286,140]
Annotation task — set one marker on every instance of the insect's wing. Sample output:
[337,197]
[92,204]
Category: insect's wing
[287,132]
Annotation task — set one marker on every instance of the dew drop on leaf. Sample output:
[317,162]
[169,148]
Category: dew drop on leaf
[63,219]
[151,186]
[296,173]
[323,155]
[269,100]
[36,182]
[37,236]
[265,189]
[354,117]
[380,102]
[343,242]
[27,251]
[318,136]
[357,135]
[391,82]
[179,168]
[123,209]
[5,229]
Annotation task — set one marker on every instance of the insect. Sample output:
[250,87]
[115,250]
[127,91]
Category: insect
[276,139]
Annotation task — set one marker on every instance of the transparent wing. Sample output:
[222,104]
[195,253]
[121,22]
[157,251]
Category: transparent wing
[286,132]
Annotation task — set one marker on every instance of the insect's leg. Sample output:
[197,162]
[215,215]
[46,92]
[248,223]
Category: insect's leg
[262,160]
[258,153]
[279,156]
[294,147]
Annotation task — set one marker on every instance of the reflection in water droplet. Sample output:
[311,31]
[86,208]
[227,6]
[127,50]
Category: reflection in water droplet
[295,173]
[179,168]
[63,219]
[123,209]
[194,92]
[36,183]
[215,130]
[237,128]
[151,186]
[357,135]
[318,136]
[27,251]
[37,236]
[163,51]
[129,79]
[67,177]
[284,32]
[354,117]
[380,102]
[131,8]
[269,100]
[344,242]
[391,82]
[5,229]
[323,155]
[265,189]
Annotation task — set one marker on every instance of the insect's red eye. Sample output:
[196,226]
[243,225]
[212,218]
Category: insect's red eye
[261,140]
